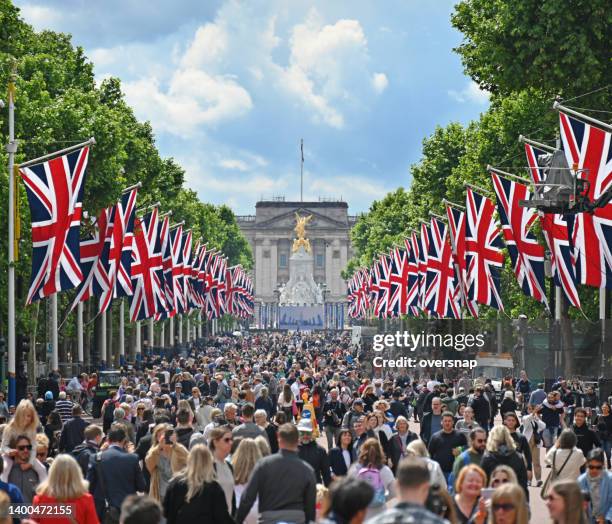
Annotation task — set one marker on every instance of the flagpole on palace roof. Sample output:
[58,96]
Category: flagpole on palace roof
[11,149]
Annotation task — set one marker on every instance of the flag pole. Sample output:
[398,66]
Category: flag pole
[506,174]
[583,117]
[452,204]
[151,334]
[61,152]
[80,353]
[302,171]
[121,331]
[54,336]
[11,149]
[545,147]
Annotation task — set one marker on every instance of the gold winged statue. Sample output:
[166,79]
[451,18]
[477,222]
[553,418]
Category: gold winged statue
[300,230]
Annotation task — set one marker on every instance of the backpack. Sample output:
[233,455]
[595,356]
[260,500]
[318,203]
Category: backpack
[372,476]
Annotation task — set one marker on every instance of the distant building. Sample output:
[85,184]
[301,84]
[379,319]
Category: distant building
[270,233]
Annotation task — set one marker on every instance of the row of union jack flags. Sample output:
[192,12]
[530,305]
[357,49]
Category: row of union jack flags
[455,262]
[121,254]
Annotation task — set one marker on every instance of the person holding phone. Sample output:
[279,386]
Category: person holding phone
[469,497]
[164,460]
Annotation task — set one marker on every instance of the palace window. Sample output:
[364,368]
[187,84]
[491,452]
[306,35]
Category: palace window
[282,260]
[320,260]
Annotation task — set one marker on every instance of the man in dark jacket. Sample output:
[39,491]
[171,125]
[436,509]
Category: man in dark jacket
[310,452]
[482,408]
[333,413]
[432,421]
[397,407]
[119,470]
[184,428]
[587,438]
[73,432]
[86,451]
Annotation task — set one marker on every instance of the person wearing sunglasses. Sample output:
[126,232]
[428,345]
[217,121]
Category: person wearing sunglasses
[508,505]
[220,441]
[501,475]
[597,482]
[20,471]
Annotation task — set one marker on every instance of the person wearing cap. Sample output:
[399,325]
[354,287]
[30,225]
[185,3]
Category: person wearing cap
[311,453]
[177,394]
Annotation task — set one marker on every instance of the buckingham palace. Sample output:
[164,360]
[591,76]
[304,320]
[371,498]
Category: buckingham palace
[270,232]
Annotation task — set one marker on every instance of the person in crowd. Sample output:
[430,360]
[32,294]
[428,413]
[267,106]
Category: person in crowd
[603,423]
[432,421]
[294,498]
[220,444]
[21,470]
[164,460]
[446,444]
[467,422]
[501,449]
[565,503]
[472,455]
[508,505]
[24,423]
[193,495]
[511,421]
[140,509]
[73,431]
[597,482]
[399,441]
[53,429]
[244,461]
[468,487]
[586,437]
[413,490]
[85,452]
[481,407]
[370,466]
[349,499]
[508,404]
[64,407]
[552,412]
[333,413]
[286,402]
[311,453]
[184,427]
[502,474]
[417,448]
[42,450]
[565,459]
[397,408]
[264,402]
[342,456]
[11,490]
[65,485]
[355,413]
[533,426]
[114,474]
[248,428]
[261,419]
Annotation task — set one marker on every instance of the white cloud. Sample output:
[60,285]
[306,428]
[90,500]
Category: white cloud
[470,93]
[41,17]
[323,63]
[208,45]
[234,164]
[193,98]
[379,82]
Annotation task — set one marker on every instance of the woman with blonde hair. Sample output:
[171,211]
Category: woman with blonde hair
[65,485]
[164,460]
[193,495]
[502,475]
[243,460]
[501,449]
[508,505]
[24,422]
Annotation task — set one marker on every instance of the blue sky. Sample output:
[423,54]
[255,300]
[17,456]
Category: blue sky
[231,86]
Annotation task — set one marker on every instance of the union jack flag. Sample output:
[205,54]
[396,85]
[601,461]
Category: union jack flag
[557,235]
[424,240]
[149,297]
[55,194]
[188,291]
[589,148]
[197,276]
[221,286]
[362,298]
[483,251]
[412,249]
[456,229]
[213,285]
[96,277]
[398,302]
[384,287]
[526,254]
[440,294]
[373,285]
[116,256]
[176,245]
[167,265]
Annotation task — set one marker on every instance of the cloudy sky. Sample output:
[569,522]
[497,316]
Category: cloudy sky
[232,86]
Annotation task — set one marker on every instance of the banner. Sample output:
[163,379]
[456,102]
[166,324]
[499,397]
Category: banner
[303,318]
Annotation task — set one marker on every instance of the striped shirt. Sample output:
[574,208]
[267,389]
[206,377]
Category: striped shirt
[64,408]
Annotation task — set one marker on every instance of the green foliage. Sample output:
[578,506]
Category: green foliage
[58,104]
[524,53]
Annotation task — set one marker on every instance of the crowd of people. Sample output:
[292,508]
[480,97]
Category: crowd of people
[296,428]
